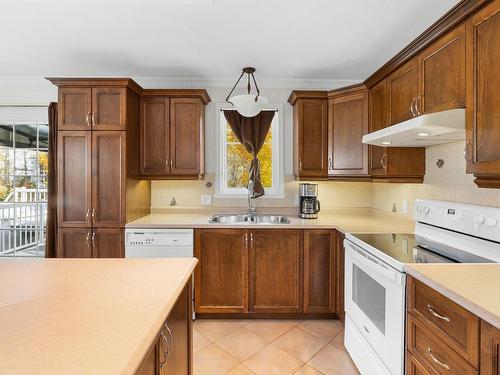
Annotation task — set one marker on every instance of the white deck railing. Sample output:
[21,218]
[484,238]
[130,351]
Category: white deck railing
[22,223]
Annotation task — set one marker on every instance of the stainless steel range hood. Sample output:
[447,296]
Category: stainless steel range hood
[425,130]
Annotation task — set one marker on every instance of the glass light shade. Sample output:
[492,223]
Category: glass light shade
[247,106]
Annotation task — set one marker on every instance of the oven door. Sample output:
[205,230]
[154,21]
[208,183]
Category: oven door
[375,302]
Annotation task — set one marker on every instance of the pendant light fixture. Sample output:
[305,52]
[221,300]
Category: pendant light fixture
[247,105]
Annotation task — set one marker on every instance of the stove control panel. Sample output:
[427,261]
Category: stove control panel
[480,221]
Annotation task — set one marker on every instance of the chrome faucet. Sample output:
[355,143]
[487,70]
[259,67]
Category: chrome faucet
[251,208]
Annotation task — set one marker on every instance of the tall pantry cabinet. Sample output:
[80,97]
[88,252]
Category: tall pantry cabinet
[98,163]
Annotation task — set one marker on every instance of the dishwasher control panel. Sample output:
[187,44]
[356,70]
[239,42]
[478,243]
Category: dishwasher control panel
[164,237]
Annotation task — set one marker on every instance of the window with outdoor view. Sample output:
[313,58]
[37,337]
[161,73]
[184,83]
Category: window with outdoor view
[23,186]
[235,160]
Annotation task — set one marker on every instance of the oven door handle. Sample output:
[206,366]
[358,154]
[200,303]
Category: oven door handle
[360,257]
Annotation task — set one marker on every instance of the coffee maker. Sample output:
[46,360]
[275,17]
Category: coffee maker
[309,203]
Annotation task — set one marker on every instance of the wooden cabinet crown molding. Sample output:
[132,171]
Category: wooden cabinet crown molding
[357,88]
[95,82]
[179,93]
[306,94]
[447,22]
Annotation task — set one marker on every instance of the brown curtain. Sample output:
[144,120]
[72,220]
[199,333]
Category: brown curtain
[51,236]
[251,132]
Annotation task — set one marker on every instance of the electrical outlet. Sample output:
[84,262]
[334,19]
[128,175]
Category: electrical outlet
[404,207]
[206,200]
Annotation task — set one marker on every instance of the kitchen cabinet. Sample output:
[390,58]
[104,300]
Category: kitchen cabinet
[108,243]
[490,349]
[74,198]
[268,272]
[402,92]
[483,101]
[172,136]
[74,243]
[96,108]
[441,74]
[221,278]
[275,271]
[320,267]
[347,123]
[310,122]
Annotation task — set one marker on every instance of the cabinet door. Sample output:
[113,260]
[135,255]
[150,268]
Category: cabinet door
[442,73]
[319,271]
[74,243]
[276,271]
[402,88]
[490,349]
[74,179]
[74,108]
[186,135]
[108,108]
[378,105]
[483,100]
[347,123]
[179,331]
[312,138]
[221,277]
[154,153]
[149,364]
[108,243]
[108,178]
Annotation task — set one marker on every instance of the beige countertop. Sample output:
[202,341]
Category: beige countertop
[476,287]
[347,220]
[84,316]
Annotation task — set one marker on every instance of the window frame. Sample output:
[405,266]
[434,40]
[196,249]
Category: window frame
[222,191]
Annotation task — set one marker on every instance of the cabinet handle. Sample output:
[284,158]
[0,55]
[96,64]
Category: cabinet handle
[383,161]
[93,118]
[93,239]
[412,107]
[246,240]
[300,164]
[165,353]
[93,215]
[87,215]
[87,119]
[495,349]
[330,164]
[251,239]
[171,163]
[417,103]
[87,238]
[434,313]
[429,351]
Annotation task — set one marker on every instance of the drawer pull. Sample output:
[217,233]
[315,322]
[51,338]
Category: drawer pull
[429,351]
[431,310]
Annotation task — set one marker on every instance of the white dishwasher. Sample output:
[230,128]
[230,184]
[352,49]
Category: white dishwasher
[160,243]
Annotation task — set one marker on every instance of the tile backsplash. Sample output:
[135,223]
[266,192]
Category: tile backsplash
[450,182]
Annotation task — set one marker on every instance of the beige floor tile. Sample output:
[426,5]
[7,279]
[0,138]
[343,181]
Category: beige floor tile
[273,361]
[333,361]
[338,341]
[240,370]
[308,370]
[241,344]
[199,341]
[269,330]
[217,329]
[326,329]
[300,344]
[212,360]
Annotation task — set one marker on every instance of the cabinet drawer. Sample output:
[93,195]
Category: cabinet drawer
[434,353]
[413,367]
[458,327]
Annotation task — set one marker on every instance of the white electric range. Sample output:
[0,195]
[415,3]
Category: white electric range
[375,282]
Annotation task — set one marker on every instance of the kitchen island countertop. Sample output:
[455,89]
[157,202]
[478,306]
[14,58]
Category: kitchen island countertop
[84,316]
[346,220]
[475,287]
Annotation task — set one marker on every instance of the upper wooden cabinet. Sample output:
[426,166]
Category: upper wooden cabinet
[310,122]
[172,135]
[74,108]
[441,69]
[483,99]
[401,93]
[347,123]
[108,108]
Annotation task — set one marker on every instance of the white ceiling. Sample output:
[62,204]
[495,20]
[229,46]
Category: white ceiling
[311,40]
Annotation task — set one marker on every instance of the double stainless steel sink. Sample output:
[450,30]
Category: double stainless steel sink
[249,219]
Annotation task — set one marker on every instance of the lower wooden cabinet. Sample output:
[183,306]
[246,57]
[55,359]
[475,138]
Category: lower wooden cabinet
[490,349]
[413,367]
[90,243]
[172,353]
[268,271]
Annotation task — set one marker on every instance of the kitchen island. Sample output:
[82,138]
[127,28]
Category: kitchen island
[93,316]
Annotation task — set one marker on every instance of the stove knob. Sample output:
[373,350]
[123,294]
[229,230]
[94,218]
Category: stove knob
[479,220]
[491,222]
[426,210]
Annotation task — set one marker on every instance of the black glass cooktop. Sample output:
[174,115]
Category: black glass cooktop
[402,247]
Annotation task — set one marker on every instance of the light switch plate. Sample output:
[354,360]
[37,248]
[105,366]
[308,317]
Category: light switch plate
[404,207]
[206,200]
